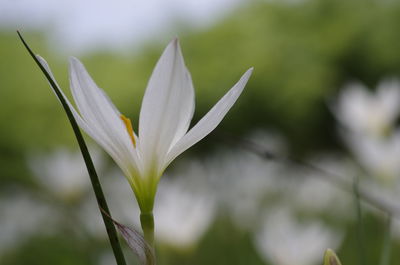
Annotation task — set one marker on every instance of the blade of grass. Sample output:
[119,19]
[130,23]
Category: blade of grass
[360,224]
[101,201]
[386,247]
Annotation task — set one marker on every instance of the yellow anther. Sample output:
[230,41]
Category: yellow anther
[129,128]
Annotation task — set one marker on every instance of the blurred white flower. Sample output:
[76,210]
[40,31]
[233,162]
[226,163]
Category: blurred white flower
[312,194]
[311,191]
[379,156]
[183,211]
[23,216]
[249,180]
[365,112]
[242,181]
[120,200]
[372,136]
[63,172]
[283,240]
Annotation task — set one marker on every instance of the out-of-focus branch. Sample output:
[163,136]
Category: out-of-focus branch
[342,182]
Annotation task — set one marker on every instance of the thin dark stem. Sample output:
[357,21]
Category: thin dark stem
[386,246]
[360,224]
[101,201]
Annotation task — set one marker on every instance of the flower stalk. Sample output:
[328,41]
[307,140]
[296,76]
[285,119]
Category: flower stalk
[147,223]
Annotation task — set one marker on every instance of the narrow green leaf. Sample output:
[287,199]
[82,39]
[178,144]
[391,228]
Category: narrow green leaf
[386,247]
[101,201]
[360,223]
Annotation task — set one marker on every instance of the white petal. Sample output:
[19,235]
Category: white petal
[211,120]
[167,106]
[99,137]
[77,117]
[388,96]
[101,116]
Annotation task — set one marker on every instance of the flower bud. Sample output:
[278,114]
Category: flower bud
[330,258]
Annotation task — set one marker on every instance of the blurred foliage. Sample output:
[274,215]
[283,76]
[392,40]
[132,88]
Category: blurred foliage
[62,250]
[302,52]
[223,245]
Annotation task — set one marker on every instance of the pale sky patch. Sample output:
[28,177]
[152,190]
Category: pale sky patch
[81,26]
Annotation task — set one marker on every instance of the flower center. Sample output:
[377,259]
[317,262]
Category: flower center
[129,128]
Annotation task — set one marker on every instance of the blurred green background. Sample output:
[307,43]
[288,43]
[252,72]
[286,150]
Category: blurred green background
[303,53]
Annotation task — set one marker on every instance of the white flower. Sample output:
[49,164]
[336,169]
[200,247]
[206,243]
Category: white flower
[243,186]
[379,156]
[165,115]
[311,191]
[373,137]
[119,199]
[285,241]
[62,172]
[244,182]
[23,216]
[183,212]
[369,113]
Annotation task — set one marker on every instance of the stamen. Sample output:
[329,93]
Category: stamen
[129,128]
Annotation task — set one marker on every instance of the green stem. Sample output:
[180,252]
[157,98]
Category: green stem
[101,200]
[386,247]
[360,224]
[147,222]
